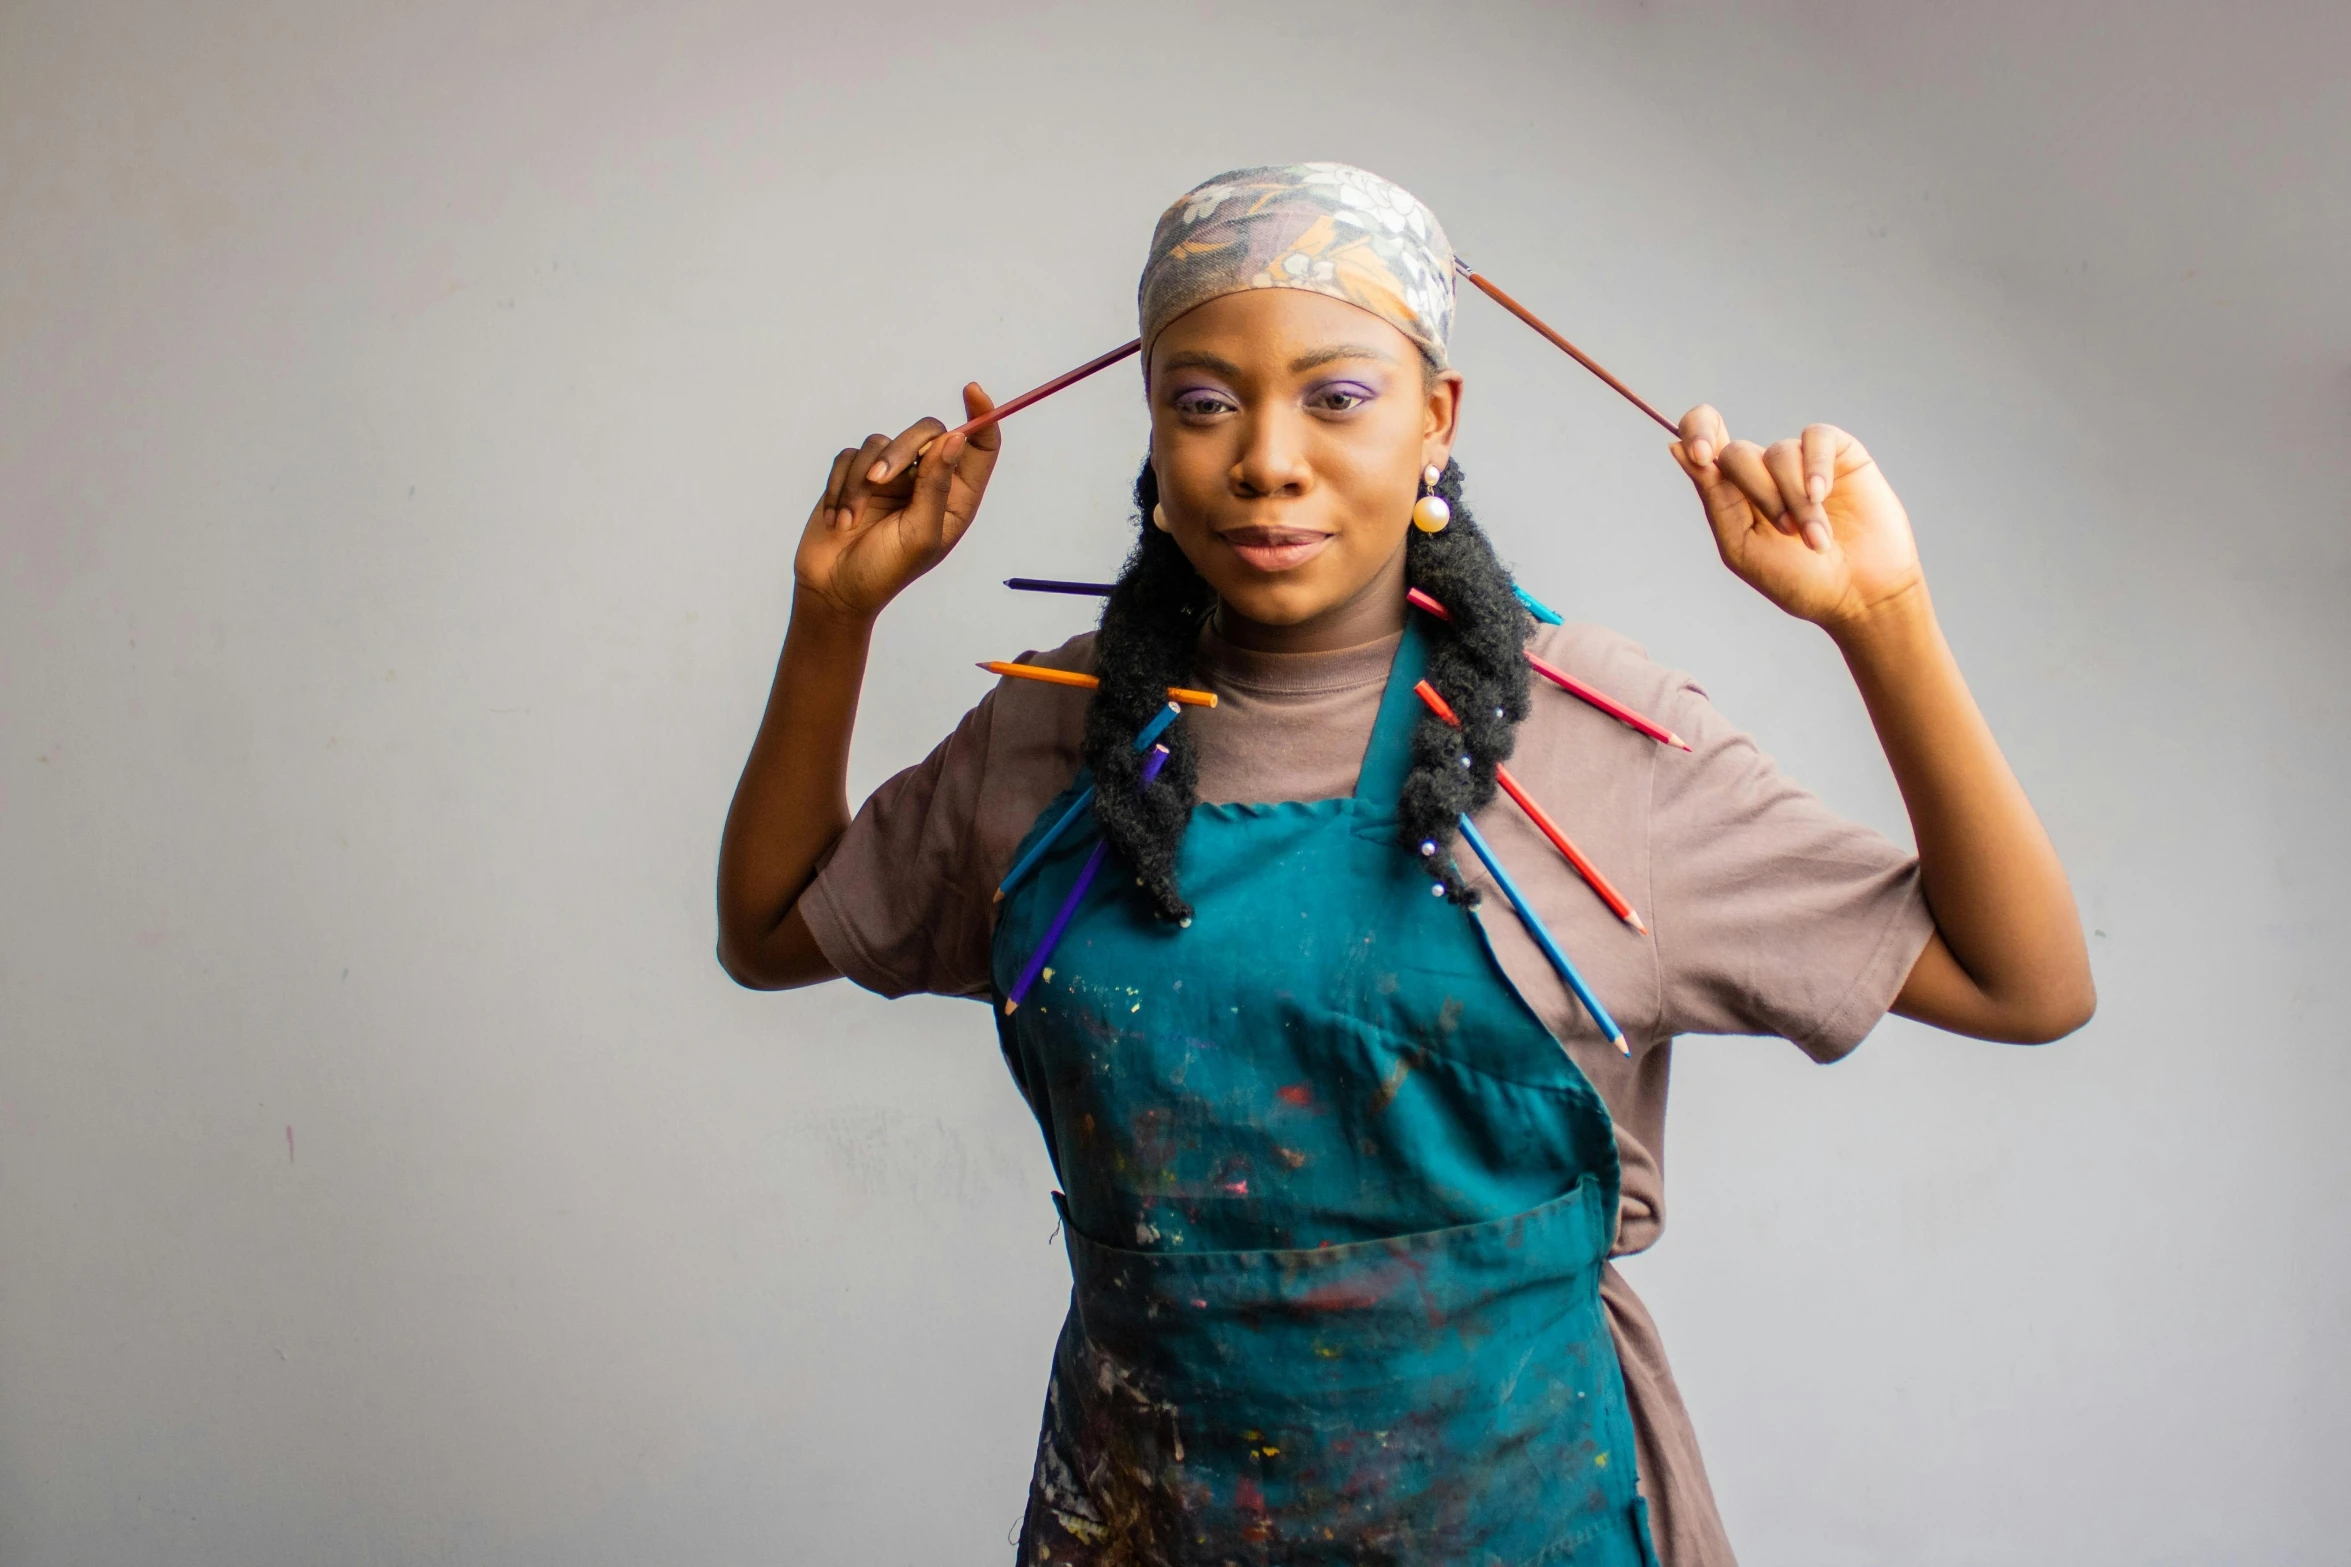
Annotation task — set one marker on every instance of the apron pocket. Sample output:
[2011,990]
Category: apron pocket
[1451,1395]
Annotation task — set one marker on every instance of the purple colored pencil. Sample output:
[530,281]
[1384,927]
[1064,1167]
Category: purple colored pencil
[1050,585]
[1077,892]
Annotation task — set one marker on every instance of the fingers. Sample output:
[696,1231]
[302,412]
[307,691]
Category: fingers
[1742,463]
[828,505]
[927,518]
[858,485]
[976,403]
[1704,435]
[975,460]
[898,456]
[1820,460]
[1784,461]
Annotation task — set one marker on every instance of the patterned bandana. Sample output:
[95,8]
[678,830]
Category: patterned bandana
[1324,227]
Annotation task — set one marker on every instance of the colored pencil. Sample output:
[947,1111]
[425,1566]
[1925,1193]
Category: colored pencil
[1028,862]
[1543,822]
[1542,937]
[1077,892]
[1071,677]
[1569,683]
[1560,841]
[1609,705]
[1573,352]
[1061,919]
[1035,394]
[1049,585]
[1537,608]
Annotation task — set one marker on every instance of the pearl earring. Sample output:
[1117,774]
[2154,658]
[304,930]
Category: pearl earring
[1159,518]
[1430,513]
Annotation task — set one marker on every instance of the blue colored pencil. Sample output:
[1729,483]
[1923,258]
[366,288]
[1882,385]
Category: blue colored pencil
[1535,928]
[1055,585]
[1028,862]
[1537,608]
[1077,892]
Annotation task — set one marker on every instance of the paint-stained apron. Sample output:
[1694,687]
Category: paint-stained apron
[1336,1206]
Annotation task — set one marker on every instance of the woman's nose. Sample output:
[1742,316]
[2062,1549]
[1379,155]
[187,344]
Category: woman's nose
[1273,458]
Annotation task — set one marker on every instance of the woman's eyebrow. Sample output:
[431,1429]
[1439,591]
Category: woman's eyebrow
[1200,359]
[1324,356]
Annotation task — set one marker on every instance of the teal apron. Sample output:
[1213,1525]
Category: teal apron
[1336,1206]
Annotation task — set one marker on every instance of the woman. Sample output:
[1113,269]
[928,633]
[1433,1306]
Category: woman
[1342,1161]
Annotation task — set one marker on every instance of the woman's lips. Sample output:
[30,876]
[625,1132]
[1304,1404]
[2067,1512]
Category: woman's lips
[1275,549]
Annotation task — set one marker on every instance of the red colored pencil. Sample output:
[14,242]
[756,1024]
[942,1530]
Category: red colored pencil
[1569,683]
[1560,841]
[1542,820]
[1573,352]
[1035,394]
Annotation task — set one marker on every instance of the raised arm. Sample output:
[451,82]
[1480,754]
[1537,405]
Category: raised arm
[1813,526]
[884,519]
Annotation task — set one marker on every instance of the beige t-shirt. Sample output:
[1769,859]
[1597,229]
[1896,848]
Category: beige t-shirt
[1768,914]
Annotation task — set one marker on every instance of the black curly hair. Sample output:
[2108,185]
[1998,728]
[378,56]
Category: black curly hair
[1152,621]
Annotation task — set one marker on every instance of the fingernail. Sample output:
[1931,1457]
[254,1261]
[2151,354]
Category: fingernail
[1702,453]
[1817,487]
[878,472]
[1816,534]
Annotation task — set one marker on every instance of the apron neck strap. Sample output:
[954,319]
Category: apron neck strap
[1388,758]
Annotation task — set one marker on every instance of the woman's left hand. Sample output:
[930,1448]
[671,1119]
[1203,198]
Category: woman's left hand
[1809,523]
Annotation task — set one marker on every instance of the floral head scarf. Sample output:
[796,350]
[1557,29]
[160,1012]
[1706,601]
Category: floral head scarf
[1324,227]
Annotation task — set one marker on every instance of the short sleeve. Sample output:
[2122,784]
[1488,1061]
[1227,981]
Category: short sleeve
[907,902]
[893,908]
[1774,915]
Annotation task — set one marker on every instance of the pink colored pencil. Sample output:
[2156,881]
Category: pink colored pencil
[1570,684]
[1609,705]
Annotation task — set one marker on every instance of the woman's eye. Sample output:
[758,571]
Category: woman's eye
[1199,403]
[1339,399]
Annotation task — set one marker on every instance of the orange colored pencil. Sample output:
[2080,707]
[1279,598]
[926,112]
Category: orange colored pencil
[1569,683]
[1543,822]
[1071,677]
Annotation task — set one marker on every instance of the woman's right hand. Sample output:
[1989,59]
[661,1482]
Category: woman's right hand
[884,519]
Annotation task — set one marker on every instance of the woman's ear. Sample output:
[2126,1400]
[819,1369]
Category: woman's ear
[1443,418]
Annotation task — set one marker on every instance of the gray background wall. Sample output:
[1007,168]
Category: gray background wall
[406,413]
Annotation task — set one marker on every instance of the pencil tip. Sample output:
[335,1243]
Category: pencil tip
[1622,1048]
[1673,739]
[1632,917]
[1010,1006]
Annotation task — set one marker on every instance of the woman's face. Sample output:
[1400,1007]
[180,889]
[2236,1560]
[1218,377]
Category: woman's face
[1289,431]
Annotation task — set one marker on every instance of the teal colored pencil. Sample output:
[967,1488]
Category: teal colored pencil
[1028,862]
[1536,929]
[1537,608]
